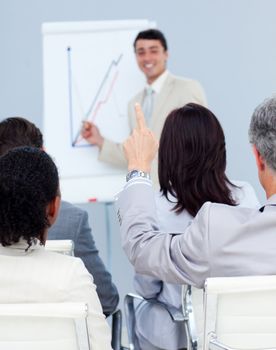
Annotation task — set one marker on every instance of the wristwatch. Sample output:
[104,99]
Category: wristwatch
[137,173]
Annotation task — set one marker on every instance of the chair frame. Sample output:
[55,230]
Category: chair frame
[210,340]
[76,311]
[186,316]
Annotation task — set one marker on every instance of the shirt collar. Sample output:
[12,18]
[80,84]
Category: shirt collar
[159,82]
[271,201]
[20,248]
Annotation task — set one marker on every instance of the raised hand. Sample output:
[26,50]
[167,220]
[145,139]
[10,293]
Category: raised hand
[140,148]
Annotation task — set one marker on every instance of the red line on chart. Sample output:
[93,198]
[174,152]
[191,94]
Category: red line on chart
[105,100]
[101,103]
[113,64]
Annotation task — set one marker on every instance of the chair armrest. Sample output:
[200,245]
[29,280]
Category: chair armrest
[116,335]
[188,312]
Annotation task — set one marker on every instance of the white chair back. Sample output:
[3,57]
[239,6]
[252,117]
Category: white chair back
[55,326]
[63,246]
[243,312]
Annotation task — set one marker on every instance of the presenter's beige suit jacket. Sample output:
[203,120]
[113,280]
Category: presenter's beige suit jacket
[175,93]
[40,276]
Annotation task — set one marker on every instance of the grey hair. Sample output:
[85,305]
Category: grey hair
[262,131]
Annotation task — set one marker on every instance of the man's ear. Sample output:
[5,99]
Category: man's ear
[259,159]
[53,209]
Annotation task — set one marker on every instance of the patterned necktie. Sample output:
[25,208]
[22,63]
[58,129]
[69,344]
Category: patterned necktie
[148,103]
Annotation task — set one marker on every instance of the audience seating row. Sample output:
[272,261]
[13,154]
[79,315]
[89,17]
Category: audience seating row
[238,313]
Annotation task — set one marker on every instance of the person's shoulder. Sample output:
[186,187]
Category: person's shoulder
[69,208]
[68,223]
[244,194]
[57,259]
[69,267]
[183,81]
[220,214]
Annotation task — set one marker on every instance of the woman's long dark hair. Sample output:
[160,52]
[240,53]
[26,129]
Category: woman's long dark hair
[192,159]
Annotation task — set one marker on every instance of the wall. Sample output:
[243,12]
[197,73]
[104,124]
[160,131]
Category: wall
[229,46]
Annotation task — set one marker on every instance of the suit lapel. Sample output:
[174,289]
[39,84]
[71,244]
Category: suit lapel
[161,98]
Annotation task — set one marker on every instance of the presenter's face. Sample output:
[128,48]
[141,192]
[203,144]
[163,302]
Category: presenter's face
[151,58]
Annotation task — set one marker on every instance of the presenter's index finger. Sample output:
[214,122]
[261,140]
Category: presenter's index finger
[141,123]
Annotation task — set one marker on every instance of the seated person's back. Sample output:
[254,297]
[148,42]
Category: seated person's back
[192,162]
[72,222]
[29,191]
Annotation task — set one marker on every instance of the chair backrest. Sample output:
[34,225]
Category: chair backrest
[63,246]
[130,318]
[243,312]
[55,326]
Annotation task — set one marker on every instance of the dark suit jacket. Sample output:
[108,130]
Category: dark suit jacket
[72,223]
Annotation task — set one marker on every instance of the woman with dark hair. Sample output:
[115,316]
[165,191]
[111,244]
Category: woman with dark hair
[192,164]
[30,198]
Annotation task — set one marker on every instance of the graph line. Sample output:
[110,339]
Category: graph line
[114,63]
[70,91]
[104,101]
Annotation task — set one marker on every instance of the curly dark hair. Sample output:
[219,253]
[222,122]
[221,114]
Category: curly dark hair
[192,159]
[28,183]
[18,132]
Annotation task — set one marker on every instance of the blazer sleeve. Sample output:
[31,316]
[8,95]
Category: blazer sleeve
[112,153]
[147,286]
[85,248]
[181,258]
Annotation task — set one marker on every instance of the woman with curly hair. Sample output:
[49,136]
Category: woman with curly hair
[29,203]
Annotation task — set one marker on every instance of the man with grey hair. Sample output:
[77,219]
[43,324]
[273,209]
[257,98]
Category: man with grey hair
[222,240]
[262,131]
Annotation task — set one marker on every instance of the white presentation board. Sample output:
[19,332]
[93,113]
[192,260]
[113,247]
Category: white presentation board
[90,73]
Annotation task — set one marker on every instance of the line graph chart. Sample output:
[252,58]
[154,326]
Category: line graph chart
[102,96]
[90,74]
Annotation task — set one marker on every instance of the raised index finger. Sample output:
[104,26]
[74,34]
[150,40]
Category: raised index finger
[141,123]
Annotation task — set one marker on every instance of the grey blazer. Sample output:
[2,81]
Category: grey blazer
[72,223]
[221,240]
[153,323]
[175,93]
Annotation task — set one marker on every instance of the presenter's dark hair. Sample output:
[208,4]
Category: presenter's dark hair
[17,132]
[192,159]
[152,34]
[28,183]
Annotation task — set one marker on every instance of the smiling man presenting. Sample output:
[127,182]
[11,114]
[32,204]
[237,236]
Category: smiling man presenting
[163,93]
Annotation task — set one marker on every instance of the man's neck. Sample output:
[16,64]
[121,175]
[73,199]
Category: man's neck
[151,81]
[158,83]
[269,185]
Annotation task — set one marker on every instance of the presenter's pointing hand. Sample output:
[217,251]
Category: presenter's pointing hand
[91,134]
[140,148]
